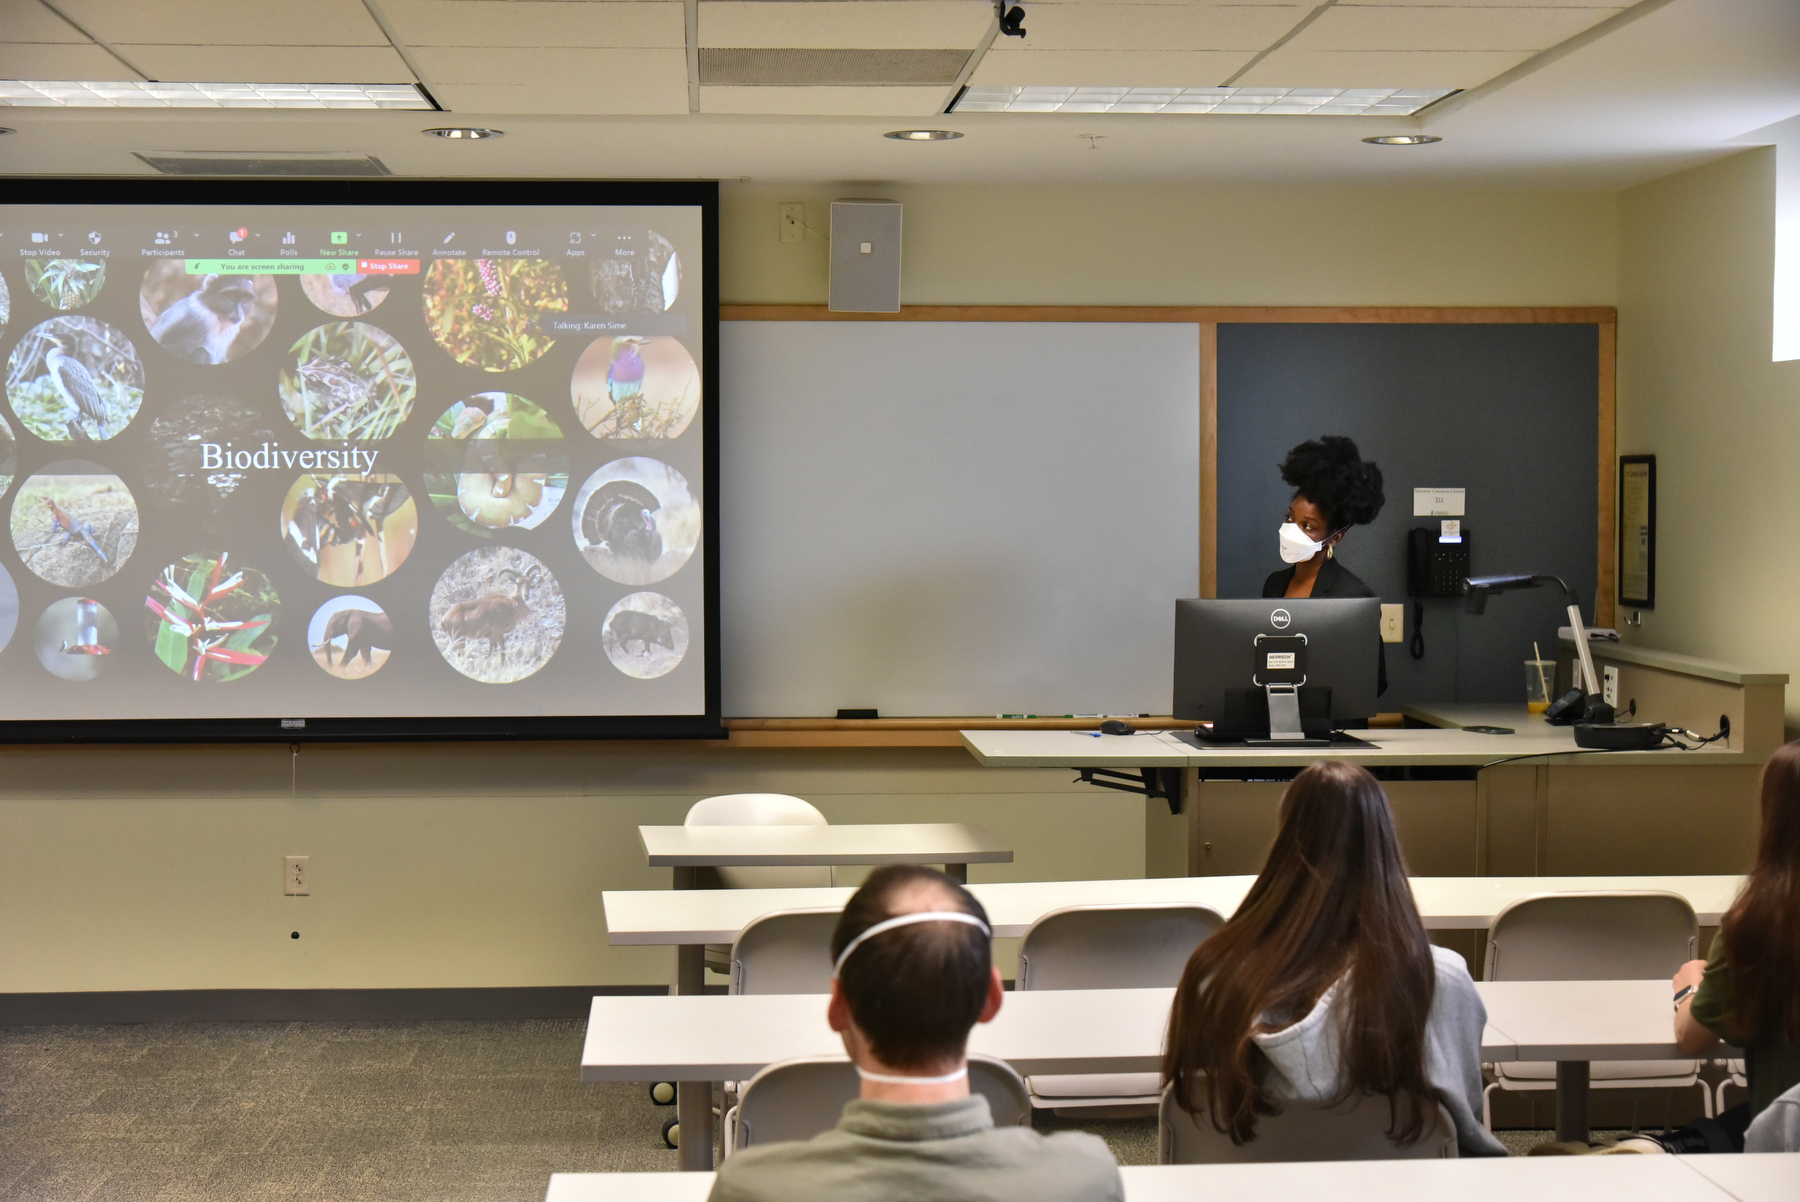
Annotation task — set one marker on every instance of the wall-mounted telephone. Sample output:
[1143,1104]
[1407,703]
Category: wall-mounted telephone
[1437,565]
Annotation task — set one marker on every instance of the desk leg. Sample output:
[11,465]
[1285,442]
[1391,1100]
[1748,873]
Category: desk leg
[693,1099]
[1572,1100]
[957,872]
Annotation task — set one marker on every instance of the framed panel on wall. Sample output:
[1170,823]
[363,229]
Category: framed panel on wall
[1637,531]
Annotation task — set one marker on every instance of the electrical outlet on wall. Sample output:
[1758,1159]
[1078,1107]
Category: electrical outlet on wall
[793,222]
[1393,623]
[296,876]
[1609,685]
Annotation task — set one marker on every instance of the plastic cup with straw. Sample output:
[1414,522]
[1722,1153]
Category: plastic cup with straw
[1537,682]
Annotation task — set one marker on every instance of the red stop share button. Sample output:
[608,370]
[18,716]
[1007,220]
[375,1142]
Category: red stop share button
[387,266]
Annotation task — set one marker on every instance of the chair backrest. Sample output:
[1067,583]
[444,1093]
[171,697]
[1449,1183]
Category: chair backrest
[800,1098]
[788,951]
[1113,947]
[1623,936]
[761,809]
[1353,1130]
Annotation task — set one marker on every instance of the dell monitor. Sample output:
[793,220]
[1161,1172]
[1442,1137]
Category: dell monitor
[1281,671]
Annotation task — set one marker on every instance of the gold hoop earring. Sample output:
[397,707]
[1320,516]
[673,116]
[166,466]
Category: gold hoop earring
[1330,552]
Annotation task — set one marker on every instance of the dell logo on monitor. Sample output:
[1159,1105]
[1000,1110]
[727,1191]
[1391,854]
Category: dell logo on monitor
[1280,619]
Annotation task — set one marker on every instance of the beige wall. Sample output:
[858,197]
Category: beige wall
[444,866]
[1698,390]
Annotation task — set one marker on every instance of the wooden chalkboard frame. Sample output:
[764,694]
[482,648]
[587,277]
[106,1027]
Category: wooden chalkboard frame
[916,732]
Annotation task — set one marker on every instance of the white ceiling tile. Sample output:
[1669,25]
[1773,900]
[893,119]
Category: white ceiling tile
[1151,26]
[856,24]
[1292,68]
[29,21]
[229,22]
[1465,4]
[557,96]
[574,66]
[271,64]
[845,102]
[1398,27]
[1005,66]
[625,23]
[38,60]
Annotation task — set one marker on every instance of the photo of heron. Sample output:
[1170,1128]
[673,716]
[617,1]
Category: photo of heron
[636,387]
[210,619]
[9,607]
[65,283]
[497,614]
[75,379]
[645,635]
[495,462]
[350,637]
[9,457]
[76,638]
[347,294]
[484,312]
[207,319]
[174,471]
[74,524]
[636,521]
[347,380]
[349,530]
[645,278]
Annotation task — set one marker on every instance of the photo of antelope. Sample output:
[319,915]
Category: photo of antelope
[497,615]
[65,283]
[350,637]
[496,462]
[75,379]
[207,319]
[74,524]
[347,380]
[635,521]
[349,530]
[633,387]
[645,635]
[76,638]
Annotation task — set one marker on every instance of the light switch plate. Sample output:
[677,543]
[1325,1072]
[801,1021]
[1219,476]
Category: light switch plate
[1609,685]
[1393,623]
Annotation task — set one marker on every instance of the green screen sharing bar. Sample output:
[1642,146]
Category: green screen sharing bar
[271,266]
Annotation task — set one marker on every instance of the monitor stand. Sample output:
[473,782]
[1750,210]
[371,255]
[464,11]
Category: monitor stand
[1206,740]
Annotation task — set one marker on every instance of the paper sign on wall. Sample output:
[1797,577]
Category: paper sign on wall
[1437,502]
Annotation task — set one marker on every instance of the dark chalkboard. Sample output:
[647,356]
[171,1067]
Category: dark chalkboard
[1509,412]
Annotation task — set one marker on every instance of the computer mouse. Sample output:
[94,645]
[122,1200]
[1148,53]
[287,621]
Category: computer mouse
[1112,726]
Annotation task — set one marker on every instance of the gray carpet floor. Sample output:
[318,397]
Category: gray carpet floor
[337,1112]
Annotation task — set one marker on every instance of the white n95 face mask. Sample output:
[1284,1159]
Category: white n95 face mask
[1295,546]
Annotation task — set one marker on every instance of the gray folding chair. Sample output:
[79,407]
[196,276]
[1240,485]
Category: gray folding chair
[1354,1130]
[757,809]
[788,951]
[1109,947]
[1622,936]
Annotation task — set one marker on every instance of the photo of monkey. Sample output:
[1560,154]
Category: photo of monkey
[350,637]
[206,319]
[634,387]
[345,295]
[74,524]
[65,283]
[636,522]
[75,379]
[645,635]
[349,530]
[76,638]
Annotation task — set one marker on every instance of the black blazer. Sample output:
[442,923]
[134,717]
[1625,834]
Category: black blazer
[1335,580]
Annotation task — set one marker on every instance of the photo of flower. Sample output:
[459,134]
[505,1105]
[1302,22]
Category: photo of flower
[211,621]
[484,312]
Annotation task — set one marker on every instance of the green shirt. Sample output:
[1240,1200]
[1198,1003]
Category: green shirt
[944,1152]
[1772,1061]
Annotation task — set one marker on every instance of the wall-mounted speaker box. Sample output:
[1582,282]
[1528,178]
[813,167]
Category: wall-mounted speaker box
[865,256]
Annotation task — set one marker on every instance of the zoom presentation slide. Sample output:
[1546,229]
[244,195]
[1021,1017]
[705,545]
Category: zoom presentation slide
[394,462]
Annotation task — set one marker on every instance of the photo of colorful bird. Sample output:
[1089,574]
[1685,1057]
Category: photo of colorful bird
[636,386]
[74,524]
[71,528]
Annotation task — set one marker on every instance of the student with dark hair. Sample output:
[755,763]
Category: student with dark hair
[1322,986]
[914,974]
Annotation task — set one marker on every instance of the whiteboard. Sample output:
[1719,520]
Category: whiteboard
[955,518]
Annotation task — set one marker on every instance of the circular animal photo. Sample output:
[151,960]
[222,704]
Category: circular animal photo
[645,635]
[74,638]
[9,607]
[212,620]
[638,272]
[497,614]
[195,462]
[350,637]
[347,380]
[635,521]
[74,523]
[636,387]
[495,462]
[206,318]
[345,294]
[65,283]
[75,379]
[349,530]
[5,303]
[484,312]
[9,458]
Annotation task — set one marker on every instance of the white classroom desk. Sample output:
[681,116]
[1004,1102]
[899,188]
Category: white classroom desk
[1753,1178]
[661,917]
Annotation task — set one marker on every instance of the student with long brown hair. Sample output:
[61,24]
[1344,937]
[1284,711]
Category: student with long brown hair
[1323,986]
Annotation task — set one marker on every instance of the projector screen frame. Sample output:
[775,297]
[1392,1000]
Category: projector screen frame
[137,191]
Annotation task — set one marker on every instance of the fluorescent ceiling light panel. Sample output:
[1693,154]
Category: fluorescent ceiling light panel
[1304,102]
[35,93]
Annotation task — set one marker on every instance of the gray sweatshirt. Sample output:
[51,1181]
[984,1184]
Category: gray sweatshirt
[1777,1128]
[1307,1058]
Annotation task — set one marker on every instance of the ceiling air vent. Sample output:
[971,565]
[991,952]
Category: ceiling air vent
[828,68]
[202,163]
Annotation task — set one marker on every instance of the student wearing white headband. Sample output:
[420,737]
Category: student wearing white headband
[913,975]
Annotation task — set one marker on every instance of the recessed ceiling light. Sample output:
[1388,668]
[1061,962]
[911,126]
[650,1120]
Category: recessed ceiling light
[922,135]
[39,93]
[1297,102]
[471,133]
[1403,139]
